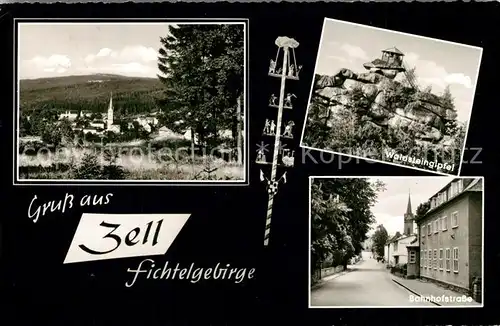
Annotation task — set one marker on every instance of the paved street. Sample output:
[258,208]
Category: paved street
[368,284]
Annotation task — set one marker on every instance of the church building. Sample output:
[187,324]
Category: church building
[397,253]
[110,126]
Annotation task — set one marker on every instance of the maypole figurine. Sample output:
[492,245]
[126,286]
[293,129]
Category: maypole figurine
[281,156]
[269,128]
[288,100]
[287,133]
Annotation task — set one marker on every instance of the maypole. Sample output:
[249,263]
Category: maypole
[281,156]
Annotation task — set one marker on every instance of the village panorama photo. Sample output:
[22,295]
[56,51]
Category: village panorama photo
[391,97]
[396,242]
[131,102]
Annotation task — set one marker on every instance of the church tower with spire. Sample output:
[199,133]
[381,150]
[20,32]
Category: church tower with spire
[408,218]
[110,113]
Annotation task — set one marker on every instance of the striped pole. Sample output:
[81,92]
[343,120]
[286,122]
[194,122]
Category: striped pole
[276,145]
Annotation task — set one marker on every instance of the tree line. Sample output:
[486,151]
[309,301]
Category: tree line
[340,219]
[124,103]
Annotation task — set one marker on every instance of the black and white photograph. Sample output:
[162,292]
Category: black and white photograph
[396,242]
[391,97]
[131,101]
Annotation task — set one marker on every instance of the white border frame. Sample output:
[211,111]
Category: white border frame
[390,307]
[130,21]
[380,161]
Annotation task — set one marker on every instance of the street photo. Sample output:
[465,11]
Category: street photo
[131,102]
[396,242]
[391,97]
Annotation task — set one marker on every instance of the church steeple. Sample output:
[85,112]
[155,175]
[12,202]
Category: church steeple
[408,207]
[408,218]
[110,112]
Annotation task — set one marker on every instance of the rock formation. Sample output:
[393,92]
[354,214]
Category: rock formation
[385,102]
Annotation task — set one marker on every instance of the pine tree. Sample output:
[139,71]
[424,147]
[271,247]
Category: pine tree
[452,127]
[447,99]
[202,70]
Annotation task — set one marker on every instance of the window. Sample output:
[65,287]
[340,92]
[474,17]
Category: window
[448,257]
[444,223]
[425,258]
[422,259]
[454,219]
[434,263]
[456,187]
[453,189]
[436,226]
[455,260]
[422,232]
[441,259]
[429,231]
[413,257]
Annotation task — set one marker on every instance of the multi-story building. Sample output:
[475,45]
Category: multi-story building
[450,249]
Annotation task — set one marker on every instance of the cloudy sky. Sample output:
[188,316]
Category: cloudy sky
[392,202]
[62,49]
[438,63]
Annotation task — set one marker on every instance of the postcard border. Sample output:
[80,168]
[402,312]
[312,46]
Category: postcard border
[16,181]
[388,177]
[380,161]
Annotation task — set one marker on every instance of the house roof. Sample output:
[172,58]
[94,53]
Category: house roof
[394,238]
[393,50]
[475,186]
[399,236]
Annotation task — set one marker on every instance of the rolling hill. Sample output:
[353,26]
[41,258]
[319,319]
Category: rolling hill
[90,92]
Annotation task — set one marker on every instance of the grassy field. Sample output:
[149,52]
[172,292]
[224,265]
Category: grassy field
[33,167]
[146,166]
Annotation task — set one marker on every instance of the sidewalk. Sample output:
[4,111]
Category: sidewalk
[438,295]
[325,279]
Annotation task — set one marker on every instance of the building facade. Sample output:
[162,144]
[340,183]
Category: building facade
[397,248]
[450,234]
